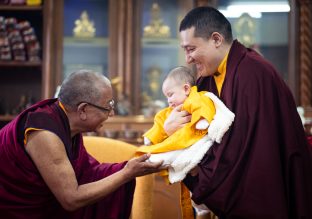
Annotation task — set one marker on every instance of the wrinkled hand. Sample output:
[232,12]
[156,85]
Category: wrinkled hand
[177,119]
[138,167]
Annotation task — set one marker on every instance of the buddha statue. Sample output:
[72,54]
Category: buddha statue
[84,28]
[156,28]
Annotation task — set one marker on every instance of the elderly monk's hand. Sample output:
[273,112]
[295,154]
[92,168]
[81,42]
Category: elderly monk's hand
[177,119]
[138,167]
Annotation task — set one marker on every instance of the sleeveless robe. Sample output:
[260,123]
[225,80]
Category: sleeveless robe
[23,192]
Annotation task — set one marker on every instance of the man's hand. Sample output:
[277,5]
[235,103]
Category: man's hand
[177,119]
[138,167]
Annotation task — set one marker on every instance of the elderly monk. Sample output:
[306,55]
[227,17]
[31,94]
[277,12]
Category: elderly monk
[45,171]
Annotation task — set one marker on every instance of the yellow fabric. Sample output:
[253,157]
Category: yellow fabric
[157,133]
[186,204]
[111,151]
[27,132]
[33,2]
[197,104]
[62,107]
[200,106]
[220,78]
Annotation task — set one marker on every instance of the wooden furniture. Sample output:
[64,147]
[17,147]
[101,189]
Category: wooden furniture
[34,79]
[124,50]
[111,151]
[152,198]
[308,120]
[129,54]
[128,129]
[22,78]
[133,56]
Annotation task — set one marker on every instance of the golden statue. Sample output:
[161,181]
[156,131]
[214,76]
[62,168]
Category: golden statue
[123,105]
[84,28]
[156,28]
[117,85]
[245,28]
[154,74]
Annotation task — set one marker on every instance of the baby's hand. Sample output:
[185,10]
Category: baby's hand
[177,119]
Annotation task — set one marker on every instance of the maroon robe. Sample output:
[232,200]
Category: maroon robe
[310,140]
[23,192]
[262,168]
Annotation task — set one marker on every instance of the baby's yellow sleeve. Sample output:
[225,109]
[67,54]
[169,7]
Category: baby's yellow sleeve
[157,133]
[200,106]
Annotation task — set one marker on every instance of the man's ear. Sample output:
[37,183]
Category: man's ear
[217,38]
[81,110]
[187,89]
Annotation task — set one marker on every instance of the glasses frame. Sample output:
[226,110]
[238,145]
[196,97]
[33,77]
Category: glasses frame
[103,109]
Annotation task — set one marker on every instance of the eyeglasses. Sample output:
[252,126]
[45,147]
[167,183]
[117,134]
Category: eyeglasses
[111,104]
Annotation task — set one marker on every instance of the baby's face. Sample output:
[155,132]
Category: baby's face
[176,93]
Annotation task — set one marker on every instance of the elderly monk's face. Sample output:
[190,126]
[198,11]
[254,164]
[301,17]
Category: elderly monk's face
[101,110]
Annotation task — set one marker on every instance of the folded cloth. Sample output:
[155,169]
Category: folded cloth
[182,161]
[200,209]
[222,120]
[188,159]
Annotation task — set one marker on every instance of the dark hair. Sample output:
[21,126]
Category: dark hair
[81,86]
[207,20]
[182,74]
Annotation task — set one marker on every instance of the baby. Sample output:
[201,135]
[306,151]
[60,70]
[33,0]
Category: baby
[179,89]
[186,147]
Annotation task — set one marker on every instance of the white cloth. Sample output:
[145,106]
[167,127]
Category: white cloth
[200,209]
[182,161]
[222,120]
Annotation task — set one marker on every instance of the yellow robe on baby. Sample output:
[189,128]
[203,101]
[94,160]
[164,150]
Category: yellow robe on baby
[200,106]
[197,104]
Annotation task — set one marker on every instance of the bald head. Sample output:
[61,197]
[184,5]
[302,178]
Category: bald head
[83,86]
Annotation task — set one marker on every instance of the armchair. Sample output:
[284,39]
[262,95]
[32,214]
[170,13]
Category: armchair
[111,151]
[153,199]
